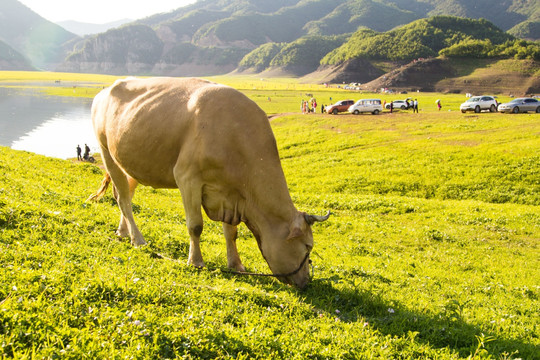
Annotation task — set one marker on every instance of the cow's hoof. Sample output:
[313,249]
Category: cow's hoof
[197,264]
[237,267]
[122,233]
[138,242]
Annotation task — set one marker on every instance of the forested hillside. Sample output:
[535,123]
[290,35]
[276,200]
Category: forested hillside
[298,57]
[421,38]
[440,36]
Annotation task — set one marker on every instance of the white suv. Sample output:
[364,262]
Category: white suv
[366,105]
[479,103]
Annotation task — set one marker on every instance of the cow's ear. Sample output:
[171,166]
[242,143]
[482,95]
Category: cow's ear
[295,233]
[298,227]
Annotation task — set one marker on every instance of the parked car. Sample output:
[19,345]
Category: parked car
[340,106]
[398,104]
[520,105]
[479,103]
[373,106]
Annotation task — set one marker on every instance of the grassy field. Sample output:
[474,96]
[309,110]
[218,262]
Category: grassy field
[432,251]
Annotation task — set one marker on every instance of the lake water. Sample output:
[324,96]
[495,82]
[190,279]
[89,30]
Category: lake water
[47,125]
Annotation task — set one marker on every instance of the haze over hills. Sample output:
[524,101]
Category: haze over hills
[82,28]
[339,40]
[41,42]
[11,59]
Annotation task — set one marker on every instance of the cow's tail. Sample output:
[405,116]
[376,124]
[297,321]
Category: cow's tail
[102,189]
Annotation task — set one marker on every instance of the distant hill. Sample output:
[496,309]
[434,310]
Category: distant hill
[299,57]
[336,40]
[396,52]
[43,43]
[82,28]
[528,30]
[212,36]
[254,22]
[131,49]
[10,59]
[137,49]
[420,38]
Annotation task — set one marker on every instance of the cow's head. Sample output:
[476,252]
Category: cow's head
[288,256]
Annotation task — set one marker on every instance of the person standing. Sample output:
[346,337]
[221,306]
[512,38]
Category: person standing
[86,152]
[79,157]
[439,104]
[415,104]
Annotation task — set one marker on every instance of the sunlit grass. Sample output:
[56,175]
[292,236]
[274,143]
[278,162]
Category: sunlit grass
[54,76]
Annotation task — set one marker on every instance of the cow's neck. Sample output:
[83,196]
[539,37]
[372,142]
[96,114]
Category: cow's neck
[270,214]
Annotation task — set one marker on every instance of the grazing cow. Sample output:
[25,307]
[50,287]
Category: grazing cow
[217,147]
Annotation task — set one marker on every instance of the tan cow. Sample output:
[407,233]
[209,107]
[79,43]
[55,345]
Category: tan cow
[217,147]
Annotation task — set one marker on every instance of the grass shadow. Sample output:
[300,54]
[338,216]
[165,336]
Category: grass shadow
[369,308]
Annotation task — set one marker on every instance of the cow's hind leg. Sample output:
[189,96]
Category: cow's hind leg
[233,259]
[192,198]
[125,188]
[123,229]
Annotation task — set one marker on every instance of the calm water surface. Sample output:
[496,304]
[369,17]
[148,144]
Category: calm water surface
[47,125]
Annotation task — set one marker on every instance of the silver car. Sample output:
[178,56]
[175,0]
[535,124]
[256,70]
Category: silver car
[479,103]
[366,105]
[398,104]
[521,105]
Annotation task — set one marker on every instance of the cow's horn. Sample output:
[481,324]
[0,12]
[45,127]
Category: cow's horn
[310,219]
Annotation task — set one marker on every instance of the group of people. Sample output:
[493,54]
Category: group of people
[413,105]
[308,106]
[86,155]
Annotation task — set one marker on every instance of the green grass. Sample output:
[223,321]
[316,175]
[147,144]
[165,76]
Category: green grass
[432,251]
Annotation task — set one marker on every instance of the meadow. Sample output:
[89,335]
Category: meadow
[431,252]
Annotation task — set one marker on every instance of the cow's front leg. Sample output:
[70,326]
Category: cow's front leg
[195,256]
[233,259]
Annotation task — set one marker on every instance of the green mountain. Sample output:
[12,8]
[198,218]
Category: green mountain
[260,58]
[258,21]
[526,30]
[217,36]
[43,43]
[350,15]
[399,54]
[421,38]
[299,57]
[505,14]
